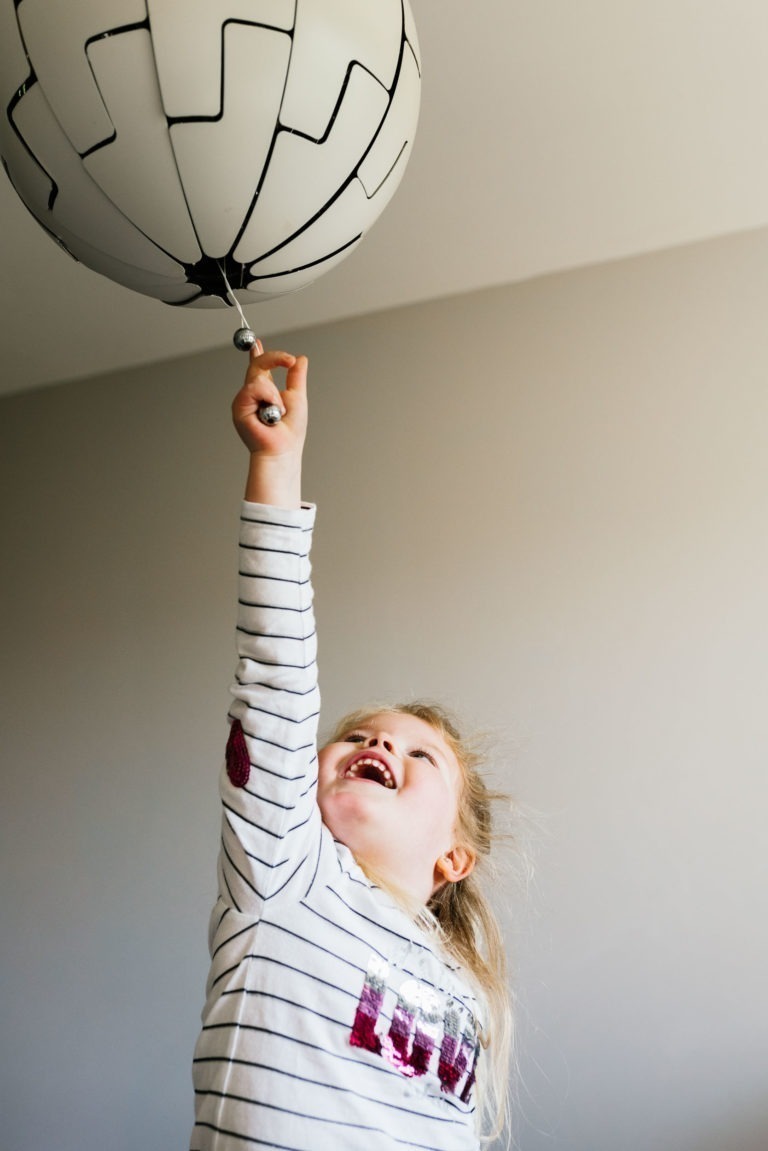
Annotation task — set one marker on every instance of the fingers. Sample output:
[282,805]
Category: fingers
[259,384]
[296,377]
[260,388]
[262,363]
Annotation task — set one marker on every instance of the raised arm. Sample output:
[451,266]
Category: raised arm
[271,824]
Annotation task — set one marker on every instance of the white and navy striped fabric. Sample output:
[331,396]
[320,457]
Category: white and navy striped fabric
[331,1021]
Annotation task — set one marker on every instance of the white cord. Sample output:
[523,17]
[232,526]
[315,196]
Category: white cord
[233,297]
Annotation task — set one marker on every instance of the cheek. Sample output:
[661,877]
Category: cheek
[437,805]
[449,809]
[328,759]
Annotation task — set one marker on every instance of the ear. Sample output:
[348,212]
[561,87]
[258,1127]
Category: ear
[454,865]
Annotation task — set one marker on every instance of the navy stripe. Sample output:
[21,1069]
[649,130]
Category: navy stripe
[238,872]
[256,994]
[263,799]
[230,893]
[262,958]
[374,1068]
[312,1118]
[278,716]
[273,686]
[313,944]
[326,1086]
[252,822]
[274,578]
[222,917]
[317,867]
[231,939]
[245,1138]
[293,875]
[286,778]
[448,960]
[272,524]
[280,746]
[395,934]
[377,1068]
[275,607]
[274,551]
[298,826]
[283,664]
[271,864]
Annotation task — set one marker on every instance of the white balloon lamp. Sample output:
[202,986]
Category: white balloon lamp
[176,146]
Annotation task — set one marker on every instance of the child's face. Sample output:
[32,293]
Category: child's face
[389,792]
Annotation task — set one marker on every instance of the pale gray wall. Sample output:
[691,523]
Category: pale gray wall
[546,504]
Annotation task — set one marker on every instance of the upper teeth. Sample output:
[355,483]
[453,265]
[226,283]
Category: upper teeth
[359,764]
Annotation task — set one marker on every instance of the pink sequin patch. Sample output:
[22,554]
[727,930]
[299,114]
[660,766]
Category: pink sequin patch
[364,1027]
[238,761]
[448,1069]
[424,1024]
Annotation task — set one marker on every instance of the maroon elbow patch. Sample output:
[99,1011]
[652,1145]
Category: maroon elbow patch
[238,762]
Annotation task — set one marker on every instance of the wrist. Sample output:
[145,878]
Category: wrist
[274,480]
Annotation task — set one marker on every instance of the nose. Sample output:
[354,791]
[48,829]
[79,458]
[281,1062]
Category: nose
[382,741]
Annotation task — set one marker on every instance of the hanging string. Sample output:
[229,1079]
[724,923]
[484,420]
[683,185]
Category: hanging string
[244,338]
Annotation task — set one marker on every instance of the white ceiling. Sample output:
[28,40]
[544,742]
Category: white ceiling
[553,134]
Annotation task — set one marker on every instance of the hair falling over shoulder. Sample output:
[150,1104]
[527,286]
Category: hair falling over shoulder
[462,915]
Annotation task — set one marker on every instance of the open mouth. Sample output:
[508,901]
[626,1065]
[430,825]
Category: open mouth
[373,770]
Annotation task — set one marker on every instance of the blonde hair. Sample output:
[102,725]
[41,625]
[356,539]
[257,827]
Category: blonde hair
[460,912]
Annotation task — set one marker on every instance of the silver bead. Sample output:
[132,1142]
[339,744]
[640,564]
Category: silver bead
[244,339]
[269,414]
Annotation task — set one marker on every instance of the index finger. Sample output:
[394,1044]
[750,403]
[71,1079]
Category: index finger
[264,361]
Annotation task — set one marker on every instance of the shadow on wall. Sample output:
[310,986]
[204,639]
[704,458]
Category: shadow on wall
[748,1132]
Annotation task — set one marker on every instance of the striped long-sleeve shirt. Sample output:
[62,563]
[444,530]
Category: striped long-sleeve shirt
[331,1019]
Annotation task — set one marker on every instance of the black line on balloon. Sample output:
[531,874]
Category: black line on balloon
[392,90]
[342,93]
[183,303]
[353,175]
[18,95]
[16,99]
[253,279]
[280,129]
[171,120]
[408,42]
[382,182]
[302,267]
[32,80]
[270,150]
[119,31]
[56,239]
[97,147]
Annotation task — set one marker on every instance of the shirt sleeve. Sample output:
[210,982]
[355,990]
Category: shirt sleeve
[271,827]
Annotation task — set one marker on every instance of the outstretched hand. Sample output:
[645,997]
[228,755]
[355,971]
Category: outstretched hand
[260,388]
[275,470]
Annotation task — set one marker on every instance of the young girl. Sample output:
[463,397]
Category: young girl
[356,973]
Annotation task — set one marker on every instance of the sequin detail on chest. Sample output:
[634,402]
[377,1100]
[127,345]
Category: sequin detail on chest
[429,1030]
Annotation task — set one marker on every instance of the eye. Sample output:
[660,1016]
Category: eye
[421,753]
[354,737]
